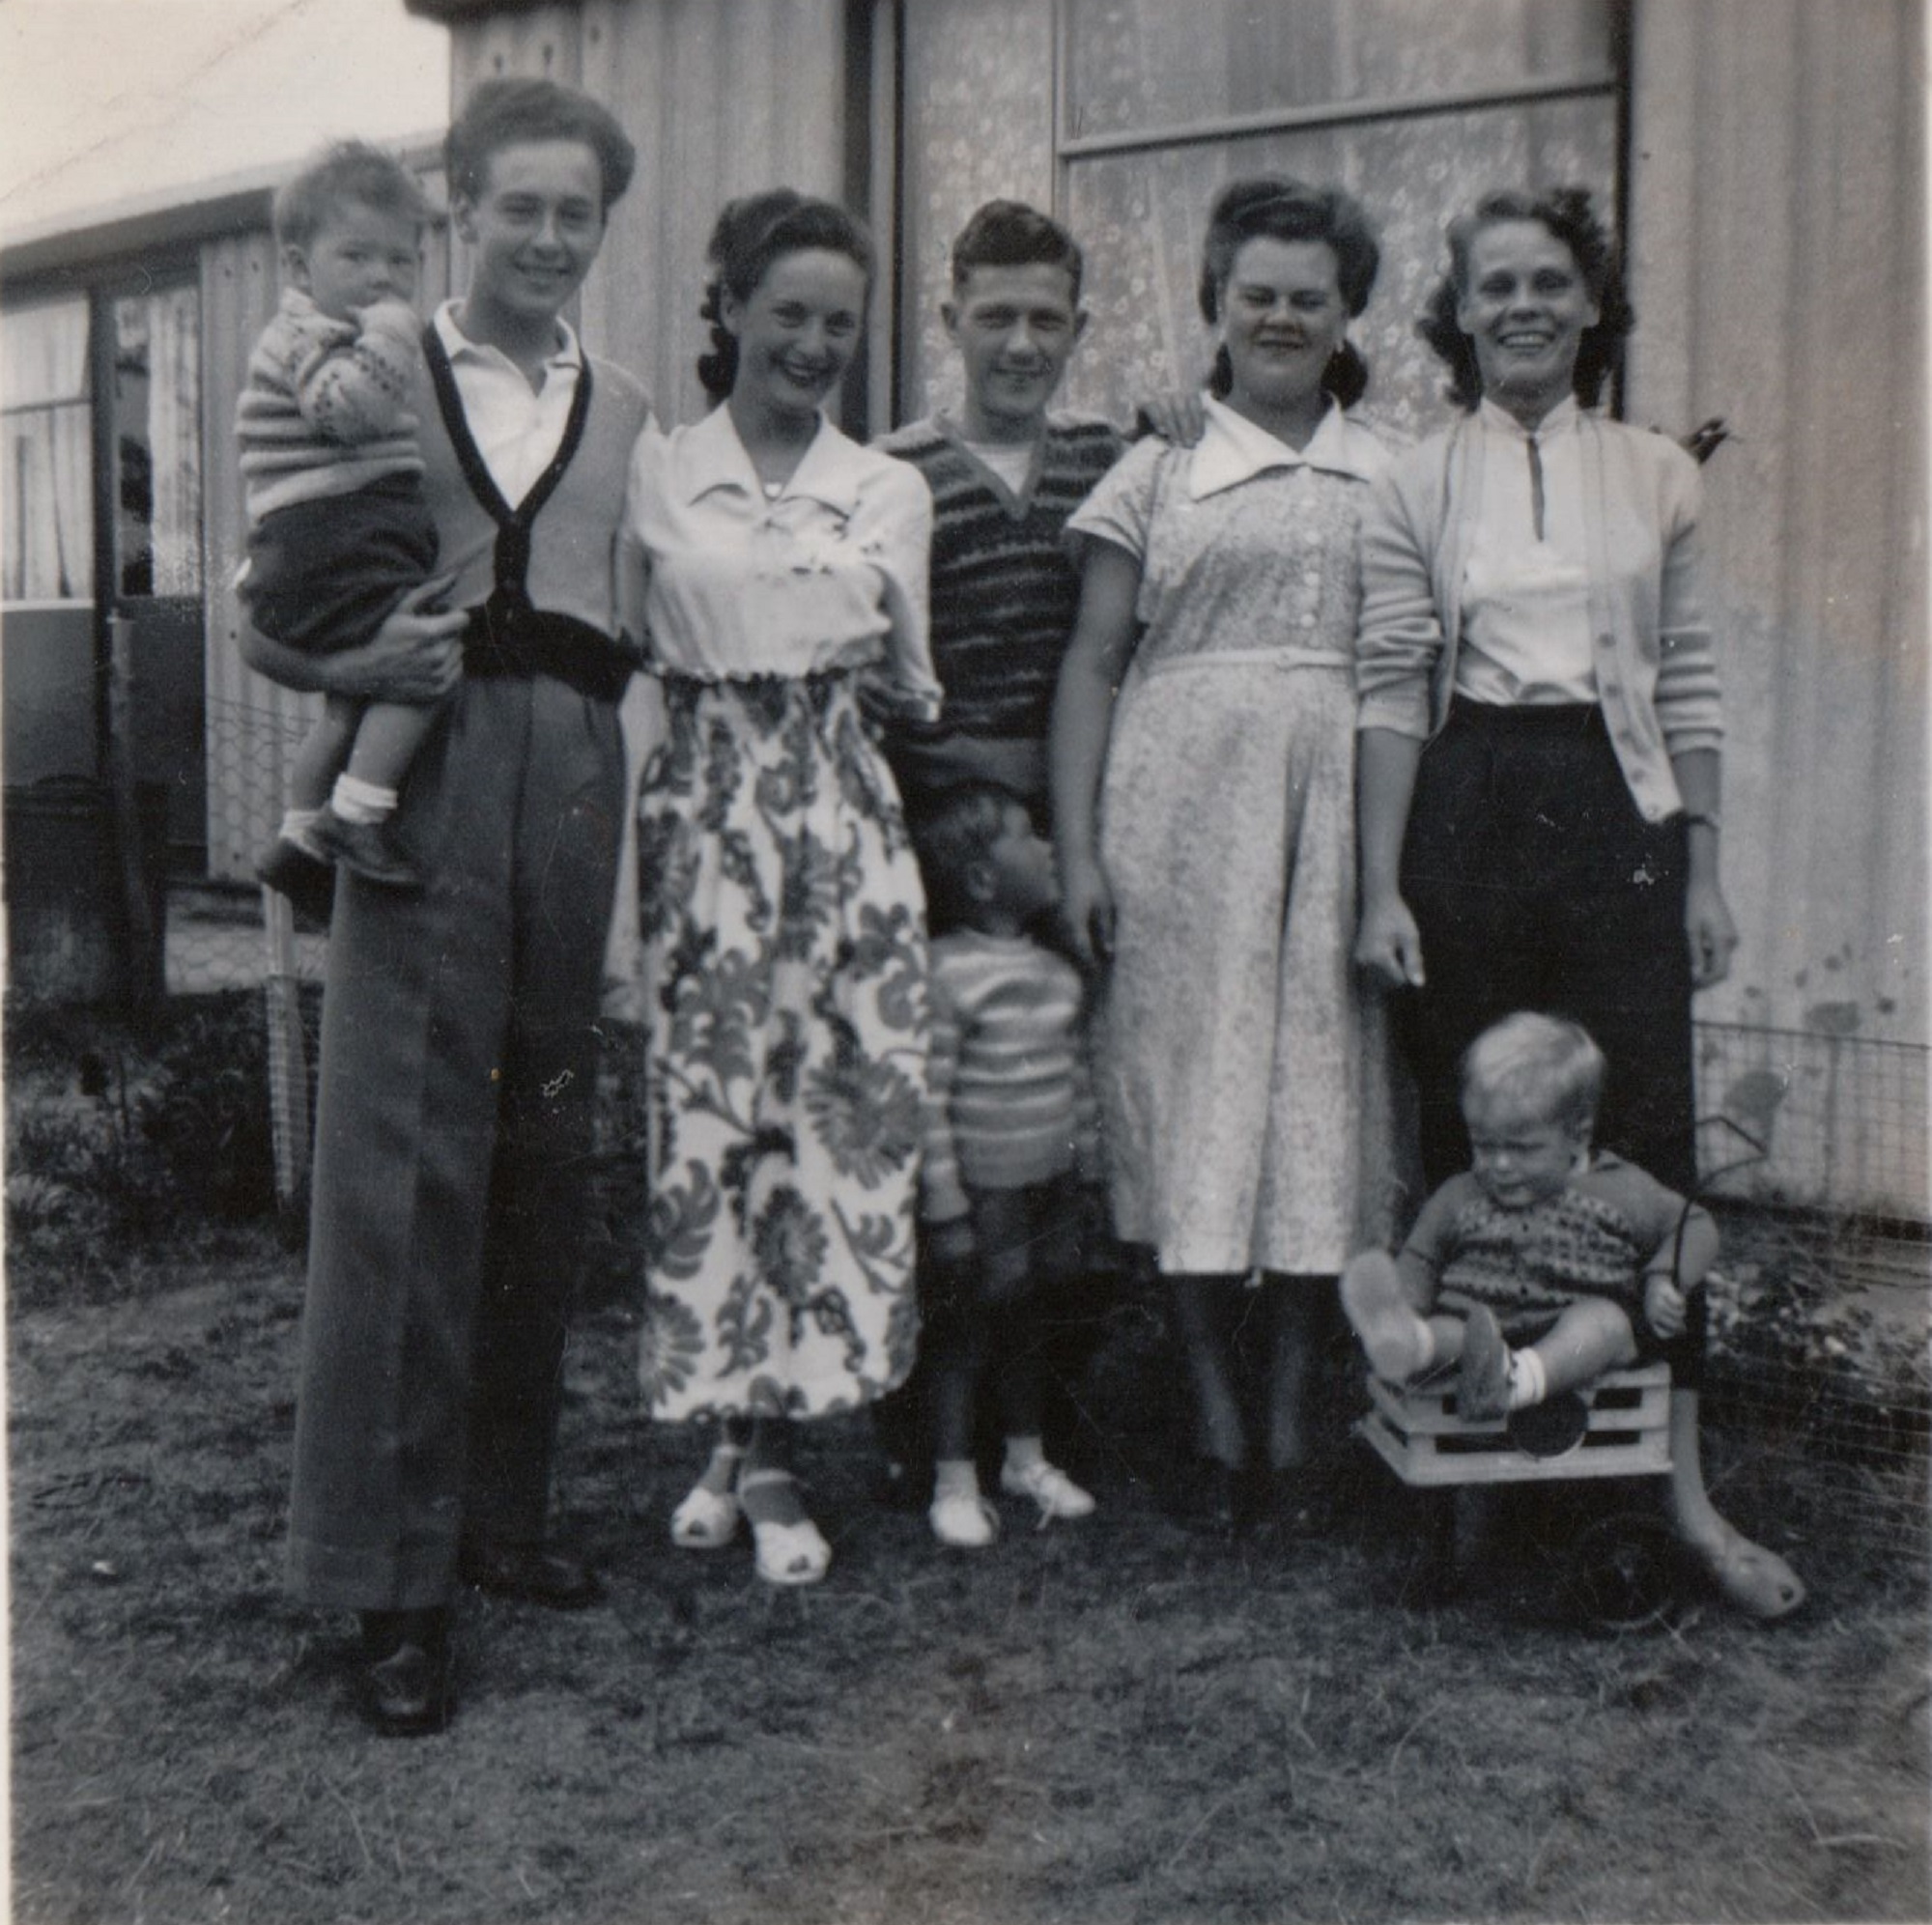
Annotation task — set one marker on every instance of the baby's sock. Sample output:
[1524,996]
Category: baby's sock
[1528,1380]
[295,826]
[955,1477]
[357,801]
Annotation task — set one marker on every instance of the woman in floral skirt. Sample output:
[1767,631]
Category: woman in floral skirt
[785,964]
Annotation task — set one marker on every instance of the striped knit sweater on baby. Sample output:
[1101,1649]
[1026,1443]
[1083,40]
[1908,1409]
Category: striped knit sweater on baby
[1003,592]
[1599,1236]
[325,409]
[1010,1100]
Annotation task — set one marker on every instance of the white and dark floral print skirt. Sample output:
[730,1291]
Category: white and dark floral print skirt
[784,961]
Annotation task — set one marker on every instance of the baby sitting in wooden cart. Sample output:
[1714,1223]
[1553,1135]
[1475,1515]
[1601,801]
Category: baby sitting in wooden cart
[1544,1265]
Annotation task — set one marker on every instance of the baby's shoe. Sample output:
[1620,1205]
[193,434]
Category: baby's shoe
[1059,1497]
[1393,1337]
[963,1521]
[1551,1428]
[1481,1383]
[292,868]
[365,849]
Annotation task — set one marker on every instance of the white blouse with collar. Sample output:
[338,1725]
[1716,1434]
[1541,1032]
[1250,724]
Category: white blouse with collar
[828,574]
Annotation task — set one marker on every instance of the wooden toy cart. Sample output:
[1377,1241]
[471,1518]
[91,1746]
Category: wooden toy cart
[1418,1435]
[1621,1567]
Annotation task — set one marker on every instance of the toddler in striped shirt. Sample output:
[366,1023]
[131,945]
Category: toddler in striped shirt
[1009,1191]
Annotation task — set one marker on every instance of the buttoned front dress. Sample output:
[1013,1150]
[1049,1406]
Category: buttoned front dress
[782,922]
[1242,1074]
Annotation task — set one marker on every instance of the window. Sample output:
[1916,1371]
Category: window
[46,431]
[1414,107]
[1128,116]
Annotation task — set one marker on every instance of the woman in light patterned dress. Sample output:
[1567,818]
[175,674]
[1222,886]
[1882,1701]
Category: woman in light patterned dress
[1203,822]
[782,924]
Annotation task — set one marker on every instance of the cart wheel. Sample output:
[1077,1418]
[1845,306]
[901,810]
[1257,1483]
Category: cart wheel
[1622,1571]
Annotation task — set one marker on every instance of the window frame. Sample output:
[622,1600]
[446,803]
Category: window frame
[1069,148]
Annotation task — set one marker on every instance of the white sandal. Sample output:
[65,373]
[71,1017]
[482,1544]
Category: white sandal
[707,1519]
[788,1554]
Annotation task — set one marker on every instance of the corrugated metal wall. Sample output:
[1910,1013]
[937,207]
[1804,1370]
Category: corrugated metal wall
[1777,226]
[252,724]
[722,98]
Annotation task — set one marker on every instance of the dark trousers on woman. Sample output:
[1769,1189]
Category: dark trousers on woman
[452,1124]
[1536,885]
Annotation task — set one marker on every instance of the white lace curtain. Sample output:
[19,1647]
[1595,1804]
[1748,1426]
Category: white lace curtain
[158,422]
[1147,67]
[173,437]
[45,428]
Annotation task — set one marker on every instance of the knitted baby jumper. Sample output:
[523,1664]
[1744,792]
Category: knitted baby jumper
[328,405]
[1598,1236]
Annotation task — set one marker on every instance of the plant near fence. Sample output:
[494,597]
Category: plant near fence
[119,1137]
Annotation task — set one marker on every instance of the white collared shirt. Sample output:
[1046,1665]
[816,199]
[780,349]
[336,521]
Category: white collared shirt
[831,573]
[1233,449]
[516,429]
[1244,547]
[1526,635]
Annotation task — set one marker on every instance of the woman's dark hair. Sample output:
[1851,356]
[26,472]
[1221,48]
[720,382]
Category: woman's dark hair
[1009,234]
[1275,208]
[752,234]
[1567,214]
[510,111]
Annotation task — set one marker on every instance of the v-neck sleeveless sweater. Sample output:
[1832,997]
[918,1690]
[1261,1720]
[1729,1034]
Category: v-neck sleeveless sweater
[1005,593]
[563,557]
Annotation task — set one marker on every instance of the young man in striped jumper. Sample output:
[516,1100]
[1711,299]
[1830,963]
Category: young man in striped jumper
[1005,476]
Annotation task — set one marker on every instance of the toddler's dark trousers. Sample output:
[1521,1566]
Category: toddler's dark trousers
[452,1126]
[1537,885]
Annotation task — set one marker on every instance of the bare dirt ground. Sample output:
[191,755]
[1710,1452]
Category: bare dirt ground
[1120,1722]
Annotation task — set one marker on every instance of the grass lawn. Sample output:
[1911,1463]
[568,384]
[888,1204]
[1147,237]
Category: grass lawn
[1120,1720]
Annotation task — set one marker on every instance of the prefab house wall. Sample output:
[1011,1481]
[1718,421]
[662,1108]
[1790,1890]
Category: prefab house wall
[1778,238]
[1766,160]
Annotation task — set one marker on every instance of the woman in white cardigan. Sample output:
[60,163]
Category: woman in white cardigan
[1539,758]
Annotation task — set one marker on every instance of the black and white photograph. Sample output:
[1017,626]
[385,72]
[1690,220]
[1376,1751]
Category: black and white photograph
[1048,1044]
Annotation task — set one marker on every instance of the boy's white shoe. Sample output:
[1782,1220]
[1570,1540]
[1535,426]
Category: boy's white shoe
[1049,1486]
[963,1521]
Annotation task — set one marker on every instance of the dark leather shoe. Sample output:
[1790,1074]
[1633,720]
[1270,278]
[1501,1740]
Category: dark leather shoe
[288,869]
[365,849]
[405,1679]
[529,1573]
[1550,1429]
